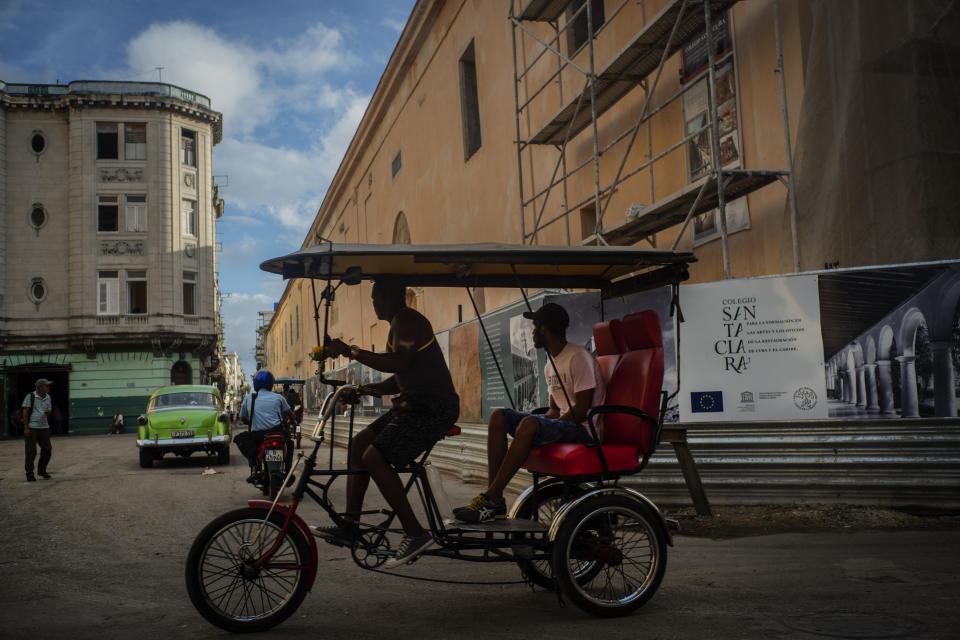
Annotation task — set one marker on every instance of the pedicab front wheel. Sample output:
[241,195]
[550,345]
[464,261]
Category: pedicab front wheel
[621,539]
[227,586]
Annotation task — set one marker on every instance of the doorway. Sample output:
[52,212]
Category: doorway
[22,380]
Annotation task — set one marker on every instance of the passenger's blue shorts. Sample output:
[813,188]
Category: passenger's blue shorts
[548,431]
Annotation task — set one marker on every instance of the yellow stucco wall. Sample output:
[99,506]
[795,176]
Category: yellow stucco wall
[416,111]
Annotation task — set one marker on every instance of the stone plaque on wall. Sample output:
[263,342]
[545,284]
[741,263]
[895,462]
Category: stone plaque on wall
[120,174]
[122,248]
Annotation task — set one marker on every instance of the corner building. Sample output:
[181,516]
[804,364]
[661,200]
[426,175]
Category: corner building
[107,262]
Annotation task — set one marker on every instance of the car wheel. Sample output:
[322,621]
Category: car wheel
[146,458]
[223,455]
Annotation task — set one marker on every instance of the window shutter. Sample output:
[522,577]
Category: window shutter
[109,303]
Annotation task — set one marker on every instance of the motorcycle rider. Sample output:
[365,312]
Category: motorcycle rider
[270,413]
[293,399]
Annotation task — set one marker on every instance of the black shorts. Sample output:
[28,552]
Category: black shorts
[409,430]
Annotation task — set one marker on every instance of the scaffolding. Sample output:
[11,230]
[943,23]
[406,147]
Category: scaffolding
[640,63]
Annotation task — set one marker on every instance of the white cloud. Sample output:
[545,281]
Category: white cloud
[285,182]
[394,25]
[286,128]
[241,252]
[240,318]
[316,50]
[248,85]
[257,89]
[337,138]
[231,218]
[198,59]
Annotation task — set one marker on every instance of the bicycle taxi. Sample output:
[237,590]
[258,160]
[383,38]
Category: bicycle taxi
[575,530]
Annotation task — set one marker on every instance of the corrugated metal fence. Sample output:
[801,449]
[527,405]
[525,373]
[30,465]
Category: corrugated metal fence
[875,462]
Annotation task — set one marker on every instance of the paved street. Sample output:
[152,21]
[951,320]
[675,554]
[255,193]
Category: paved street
[99,550]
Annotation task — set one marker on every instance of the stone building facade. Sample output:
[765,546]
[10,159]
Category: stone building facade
[107,262]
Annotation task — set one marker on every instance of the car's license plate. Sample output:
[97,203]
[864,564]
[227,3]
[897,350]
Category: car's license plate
[183,433]
[273,455]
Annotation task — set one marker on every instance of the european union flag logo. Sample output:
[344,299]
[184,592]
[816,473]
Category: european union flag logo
[706,401]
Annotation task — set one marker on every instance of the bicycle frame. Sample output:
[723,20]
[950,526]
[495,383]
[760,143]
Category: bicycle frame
[455,542]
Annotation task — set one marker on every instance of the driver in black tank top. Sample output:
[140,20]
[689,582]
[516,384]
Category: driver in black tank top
[425,406]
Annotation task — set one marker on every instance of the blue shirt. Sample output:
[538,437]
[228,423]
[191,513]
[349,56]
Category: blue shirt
[269,412]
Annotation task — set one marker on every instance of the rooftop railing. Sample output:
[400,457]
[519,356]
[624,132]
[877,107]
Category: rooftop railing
[109,87]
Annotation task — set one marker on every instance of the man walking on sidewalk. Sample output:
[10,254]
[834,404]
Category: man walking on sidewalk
[36,430]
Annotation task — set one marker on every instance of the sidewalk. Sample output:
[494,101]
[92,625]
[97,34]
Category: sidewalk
[464,477]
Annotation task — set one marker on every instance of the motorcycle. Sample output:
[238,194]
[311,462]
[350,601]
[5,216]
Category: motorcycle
[272,462]
[295,385]
[295,426]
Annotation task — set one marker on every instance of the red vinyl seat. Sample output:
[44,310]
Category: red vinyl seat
[630,352]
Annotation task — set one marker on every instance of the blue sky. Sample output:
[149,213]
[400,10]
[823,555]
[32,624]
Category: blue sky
[292,79]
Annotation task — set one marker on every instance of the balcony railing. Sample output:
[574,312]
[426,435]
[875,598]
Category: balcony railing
[110,88]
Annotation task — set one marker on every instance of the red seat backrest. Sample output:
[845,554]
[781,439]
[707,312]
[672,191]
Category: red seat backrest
[636,382]
[609,341]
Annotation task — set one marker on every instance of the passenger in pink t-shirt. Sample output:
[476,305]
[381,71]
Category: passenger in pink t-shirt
[578,373]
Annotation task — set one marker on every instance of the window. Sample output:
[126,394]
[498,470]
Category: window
[395,165]
[188,147]
[298,321]
[189,293]
[578,32]
[107,141]
[38,215]
[136,218]
[38,290]
[588,221]
[108,292]
[108,213]
[38,143]
[189,209]
[136,291]
[469,102]
[135,141]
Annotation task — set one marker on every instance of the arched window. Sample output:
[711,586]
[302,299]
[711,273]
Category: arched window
[401,230]
[401,235]
[181,373]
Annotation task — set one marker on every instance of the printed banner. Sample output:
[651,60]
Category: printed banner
[751,350]
[521,365]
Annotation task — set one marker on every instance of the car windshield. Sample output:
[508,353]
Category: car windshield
[197,399]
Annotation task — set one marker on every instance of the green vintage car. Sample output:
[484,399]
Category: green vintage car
[183,419]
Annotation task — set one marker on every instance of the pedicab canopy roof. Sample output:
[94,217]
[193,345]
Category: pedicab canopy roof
[612,270]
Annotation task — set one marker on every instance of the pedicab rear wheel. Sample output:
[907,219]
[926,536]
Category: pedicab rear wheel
[227,587]
[624,544]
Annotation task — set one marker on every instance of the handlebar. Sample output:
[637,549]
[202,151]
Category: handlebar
[330,404]
[333,383]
